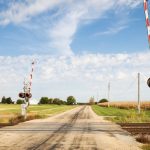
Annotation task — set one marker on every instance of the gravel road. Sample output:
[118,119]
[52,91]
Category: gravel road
[79,128]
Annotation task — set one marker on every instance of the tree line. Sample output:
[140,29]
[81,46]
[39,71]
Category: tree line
[43,100]
[70,101]
[7,100]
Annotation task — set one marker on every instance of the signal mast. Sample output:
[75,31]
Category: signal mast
[26,94]
[146,11]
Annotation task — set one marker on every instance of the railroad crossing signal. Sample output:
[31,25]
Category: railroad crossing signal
[25,95]
[148,82]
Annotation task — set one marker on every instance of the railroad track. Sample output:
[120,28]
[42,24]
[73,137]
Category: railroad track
[136,128]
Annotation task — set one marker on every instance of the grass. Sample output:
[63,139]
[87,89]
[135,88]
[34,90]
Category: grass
[122,115]
[9,113]
[146,147]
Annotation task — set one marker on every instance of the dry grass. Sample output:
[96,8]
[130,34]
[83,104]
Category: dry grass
[146,147]
[19,118]
[126,105]
[11,114]
[143,138]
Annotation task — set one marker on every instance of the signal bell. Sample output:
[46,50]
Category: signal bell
[148,82]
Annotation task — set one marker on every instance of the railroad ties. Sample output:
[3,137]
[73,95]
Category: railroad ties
[136,128]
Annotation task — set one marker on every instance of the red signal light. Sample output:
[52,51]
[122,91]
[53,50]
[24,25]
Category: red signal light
[22,95]
[148,82]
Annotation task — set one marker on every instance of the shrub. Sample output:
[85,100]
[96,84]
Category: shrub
[20,101]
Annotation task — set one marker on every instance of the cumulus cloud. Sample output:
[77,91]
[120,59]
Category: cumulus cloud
[60,19]
[19,12]
[79,75]
[130,3]
[69,74]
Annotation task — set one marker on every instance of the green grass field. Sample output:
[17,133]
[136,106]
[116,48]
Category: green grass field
[122,115]
[8,110]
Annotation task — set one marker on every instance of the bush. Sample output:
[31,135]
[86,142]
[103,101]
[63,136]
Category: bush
[19,118]
[16,119]
[64,102]
[103,100]
[20,101]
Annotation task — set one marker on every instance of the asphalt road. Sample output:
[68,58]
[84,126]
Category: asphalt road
[79,128]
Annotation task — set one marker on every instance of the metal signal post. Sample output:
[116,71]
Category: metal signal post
[146,11]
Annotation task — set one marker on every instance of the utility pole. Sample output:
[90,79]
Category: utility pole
[108,93]
[97,96]
[139,103]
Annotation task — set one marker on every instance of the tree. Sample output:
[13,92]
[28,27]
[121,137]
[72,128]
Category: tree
[57,101]
[44,100]
[103,100]
[71,100]
[9,100]
[3,101]
[20,101]
[50,101]
[6,100]
[64,102]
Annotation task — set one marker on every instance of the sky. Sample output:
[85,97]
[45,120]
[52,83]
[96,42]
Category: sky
[79,46]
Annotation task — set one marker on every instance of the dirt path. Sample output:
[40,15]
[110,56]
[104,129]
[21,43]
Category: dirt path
[79,129]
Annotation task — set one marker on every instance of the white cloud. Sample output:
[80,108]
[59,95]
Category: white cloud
[62,25]
[70,74]
[19,12]
[130,3]
[121,75]
[112,30]
[76,75]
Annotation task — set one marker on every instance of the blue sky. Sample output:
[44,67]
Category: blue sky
[77,45]
[102,34]
[110,31]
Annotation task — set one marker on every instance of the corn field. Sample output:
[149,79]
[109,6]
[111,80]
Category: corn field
[126,105]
